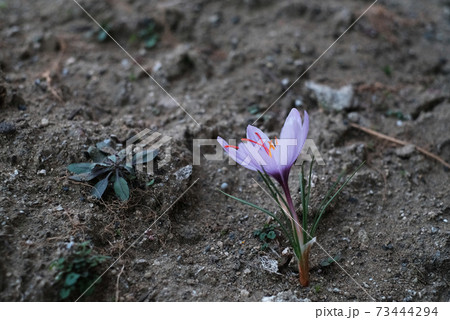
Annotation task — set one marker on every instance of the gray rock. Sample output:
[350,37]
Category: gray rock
[184,173]
[354,117]
[405,151]
[329,98]
[284,296]
[7,127]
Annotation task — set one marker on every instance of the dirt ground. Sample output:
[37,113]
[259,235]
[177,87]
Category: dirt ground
[64,86]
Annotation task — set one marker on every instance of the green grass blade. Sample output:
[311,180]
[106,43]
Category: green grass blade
[313,229]
[263,210]
[304,208]
[274,187]
[308,196]
[331,190]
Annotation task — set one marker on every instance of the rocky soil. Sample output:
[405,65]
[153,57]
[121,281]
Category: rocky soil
[65,86]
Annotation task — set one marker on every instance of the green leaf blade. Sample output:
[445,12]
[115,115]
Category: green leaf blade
[71,279]
[82,167]
[121,189]
[100,187]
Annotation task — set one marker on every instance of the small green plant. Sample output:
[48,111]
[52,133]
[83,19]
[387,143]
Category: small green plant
[265,235]
[397,114]
[329,261]
[77,272]
[317,288]
[387,70]
[110,166]
[102,33]
[147,33]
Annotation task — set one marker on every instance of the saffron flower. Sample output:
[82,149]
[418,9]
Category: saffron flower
[258,153]
[275,159]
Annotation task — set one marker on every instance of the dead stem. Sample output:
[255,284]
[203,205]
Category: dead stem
[55,66]
[400,142]
[117,283]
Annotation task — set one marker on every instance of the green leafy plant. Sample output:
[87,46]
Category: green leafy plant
[77,271]
[102,33]
[108,166]
[147,33]
[265,235]
[329,261]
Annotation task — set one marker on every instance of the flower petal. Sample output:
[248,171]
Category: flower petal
[239,155]
[293,128]
[270,163]
[253,132]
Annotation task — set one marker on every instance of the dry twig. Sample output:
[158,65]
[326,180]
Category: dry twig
[117,283]
[400,142]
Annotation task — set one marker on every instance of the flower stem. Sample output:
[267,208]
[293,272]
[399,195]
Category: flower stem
[303,259]
[303,267]
[294,215]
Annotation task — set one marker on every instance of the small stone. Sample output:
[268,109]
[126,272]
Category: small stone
[7,127]
[44,122]
[353,117]
[406,151]
[215,19]
[337,290]
[388,246]
[42,172]
[59,208]
[244,293]
[247,271]
[434,230]
[224,186]
[184,173]
[363,238]
[148,275]
[329,98]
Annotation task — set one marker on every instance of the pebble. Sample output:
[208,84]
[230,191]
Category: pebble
[329,98]
[434,230]
[7,127]
[44,122]
[224,186]
[247,271]
[244,293]
[59,208]
[42,172]
[406,151]
[184,173]
[353,117]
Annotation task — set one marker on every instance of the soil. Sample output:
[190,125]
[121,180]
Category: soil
[64,86]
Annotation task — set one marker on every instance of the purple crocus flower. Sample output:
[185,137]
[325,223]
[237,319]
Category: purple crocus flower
[258,153]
